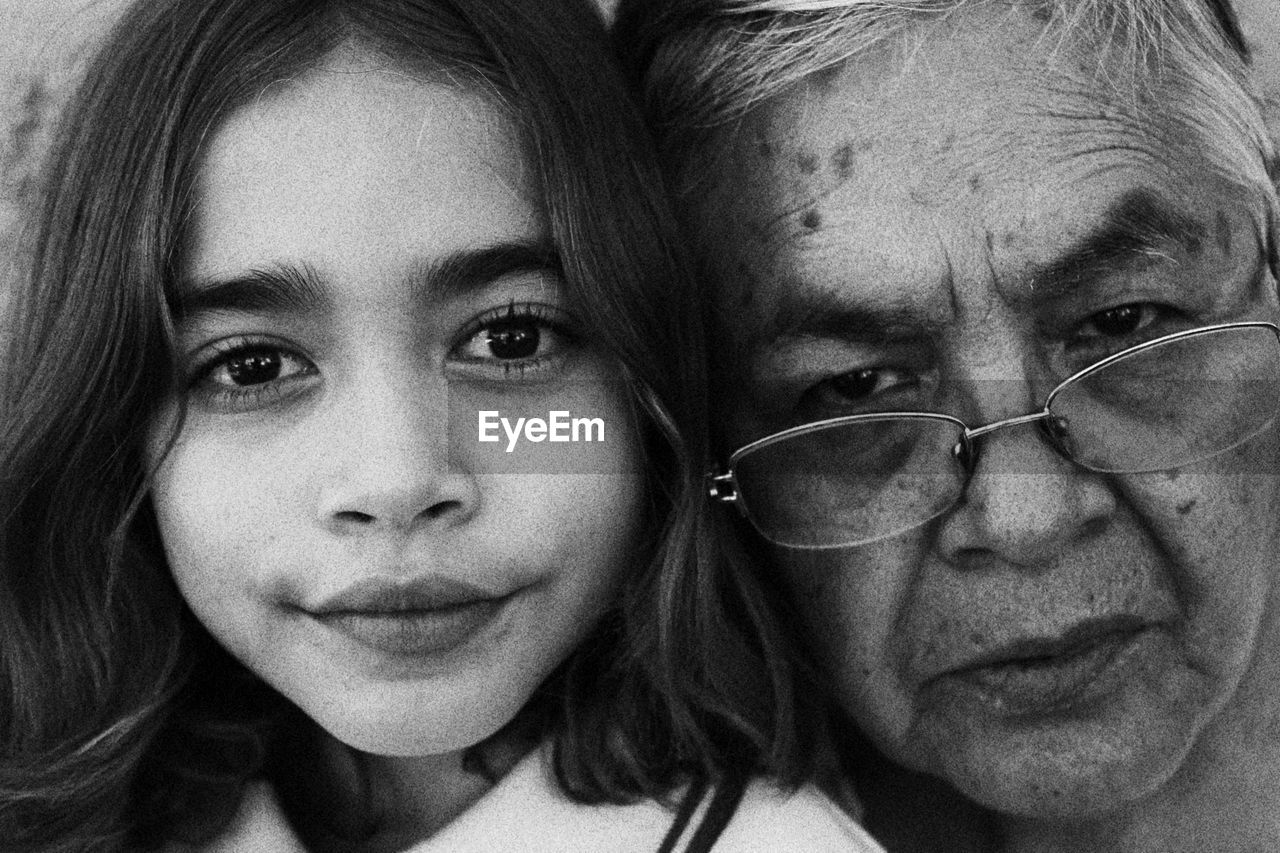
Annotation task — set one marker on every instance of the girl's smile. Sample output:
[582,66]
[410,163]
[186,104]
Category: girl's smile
[429,615]
[370,257]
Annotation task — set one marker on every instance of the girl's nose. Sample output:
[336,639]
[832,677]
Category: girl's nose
[385,462]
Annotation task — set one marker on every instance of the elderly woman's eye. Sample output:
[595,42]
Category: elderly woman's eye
[1122,320]
[857,385]
[865,389]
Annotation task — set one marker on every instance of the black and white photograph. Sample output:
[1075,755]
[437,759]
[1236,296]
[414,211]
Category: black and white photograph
[639,426]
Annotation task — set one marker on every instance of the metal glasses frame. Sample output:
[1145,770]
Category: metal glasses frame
[723,487]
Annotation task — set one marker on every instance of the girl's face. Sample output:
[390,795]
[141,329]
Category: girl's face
[370,268]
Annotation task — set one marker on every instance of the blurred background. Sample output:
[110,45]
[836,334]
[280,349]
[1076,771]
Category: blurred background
[38,50]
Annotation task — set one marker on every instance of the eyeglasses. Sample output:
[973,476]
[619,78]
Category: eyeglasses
[1165,403]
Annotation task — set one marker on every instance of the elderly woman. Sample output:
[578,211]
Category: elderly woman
[994,291]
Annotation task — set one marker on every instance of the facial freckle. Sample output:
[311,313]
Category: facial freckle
[920,197]
[842,161]
[975,183]
[807,162]
[811,220]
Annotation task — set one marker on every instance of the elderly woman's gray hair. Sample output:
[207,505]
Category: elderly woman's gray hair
[702,65]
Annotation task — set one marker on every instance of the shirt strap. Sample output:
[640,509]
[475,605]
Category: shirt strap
[724,803]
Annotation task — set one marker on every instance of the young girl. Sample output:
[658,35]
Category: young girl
[342,498]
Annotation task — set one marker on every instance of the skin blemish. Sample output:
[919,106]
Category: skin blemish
[1224,233]
[842,161]
[921,197]
[1184,508]
[975,183]
[948,143]
[764,148]
[811,220]
[807,162]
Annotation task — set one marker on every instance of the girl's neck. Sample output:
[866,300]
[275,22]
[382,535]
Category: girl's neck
[389,803]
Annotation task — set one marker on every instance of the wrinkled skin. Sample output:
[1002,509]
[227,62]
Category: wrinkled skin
[898,215]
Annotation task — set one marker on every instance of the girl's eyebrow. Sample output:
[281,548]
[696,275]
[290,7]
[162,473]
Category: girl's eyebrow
[287,288]
[280,288]
[462,271]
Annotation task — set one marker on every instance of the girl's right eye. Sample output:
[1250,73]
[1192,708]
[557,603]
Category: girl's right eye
[240,375]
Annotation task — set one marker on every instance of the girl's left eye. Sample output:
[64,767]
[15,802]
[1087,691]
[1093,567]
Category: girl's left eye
[256,366]
[517,338]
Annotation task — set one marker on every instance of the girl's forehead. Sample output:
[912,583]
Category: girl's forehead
[353,168]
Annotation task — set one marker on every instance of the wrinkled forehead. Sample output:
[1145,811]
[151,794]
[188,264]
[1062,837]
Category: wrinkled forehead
[977,142]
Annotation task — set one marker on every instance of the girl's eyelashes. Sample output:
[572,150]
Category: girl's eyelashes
[515,341]
[241,374]
[521,338]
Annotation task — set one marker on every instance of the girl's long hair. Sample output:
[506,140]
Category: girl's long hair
[122,723]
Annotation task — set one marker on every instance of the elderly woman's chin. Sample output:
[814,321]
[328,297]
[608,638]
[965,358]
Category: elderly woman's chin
[1064,771]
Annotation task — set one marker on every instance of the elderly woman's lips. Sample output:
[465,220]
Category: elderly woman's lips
[1042,675]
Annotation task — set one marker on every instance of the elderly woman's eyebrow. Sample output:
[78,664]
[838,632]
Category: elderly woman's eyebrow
[804,312]
[288,288]
[1139,230]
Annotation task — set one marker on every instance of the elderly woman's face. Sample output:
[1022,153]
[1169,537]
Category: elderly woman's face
[959,236]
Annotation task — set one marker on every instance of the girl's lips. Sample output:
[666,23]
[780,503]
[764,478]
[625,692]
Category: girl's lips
[384,595]
[415,633]
[410,618]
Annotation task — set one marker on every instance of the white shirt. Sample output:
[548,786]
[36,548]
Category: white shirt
[526,812]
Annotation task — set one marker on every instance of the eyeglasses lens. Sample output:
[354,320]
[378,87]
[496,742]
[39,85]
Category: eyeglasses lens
[851,482]
[1171,404]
